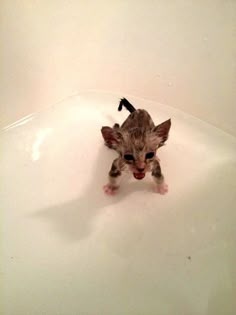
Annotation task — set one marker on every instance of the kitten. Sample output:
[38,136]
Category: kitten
[136,141]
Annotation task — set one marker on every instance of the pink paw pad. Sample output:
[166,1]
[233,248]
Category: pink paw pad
[161,189]
[110,190]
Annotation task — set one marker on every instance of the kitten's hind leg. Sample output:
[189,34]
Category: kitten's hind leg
[158,177]
[113,178]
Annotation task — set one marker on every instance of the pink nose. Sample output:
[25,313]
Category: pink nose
[140,169]
[140,166]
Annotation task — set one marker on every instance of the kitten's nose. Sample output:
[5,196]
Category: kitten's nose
[140,169]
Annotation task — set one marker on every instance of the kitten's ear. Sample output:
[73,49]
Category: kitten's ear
[161,132]
[111,136]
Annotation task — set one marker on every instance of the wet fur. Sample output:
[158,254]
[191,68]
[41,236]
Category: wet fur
[137,136]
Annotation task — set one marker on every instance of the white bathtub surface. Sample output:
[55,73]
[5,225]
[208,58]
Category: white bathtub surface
[70,250]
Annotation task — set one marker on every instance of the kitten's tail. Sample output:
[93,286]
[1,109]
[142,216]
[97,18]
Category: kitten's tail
[124,102]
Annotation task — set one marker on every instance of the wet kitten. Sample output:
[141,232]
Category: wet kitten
[136,141]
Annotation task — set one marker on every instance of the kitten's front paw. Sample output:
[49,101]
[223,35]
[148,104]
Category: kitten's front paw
[110,190]
[161,189]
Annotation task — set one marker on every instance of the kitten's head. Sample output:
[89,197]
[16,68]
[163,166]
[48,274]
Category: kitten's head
[137,146]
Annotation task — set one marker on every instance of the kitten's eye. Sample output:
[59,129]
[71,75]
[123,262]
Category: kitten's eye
[129,157]
[150,155]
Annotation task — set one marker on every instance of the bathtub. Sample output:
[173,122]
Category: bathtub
[67,248]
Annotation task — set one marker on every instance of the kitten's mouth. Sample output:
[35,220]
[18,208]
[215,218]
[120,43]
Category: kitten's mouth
[139,175]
